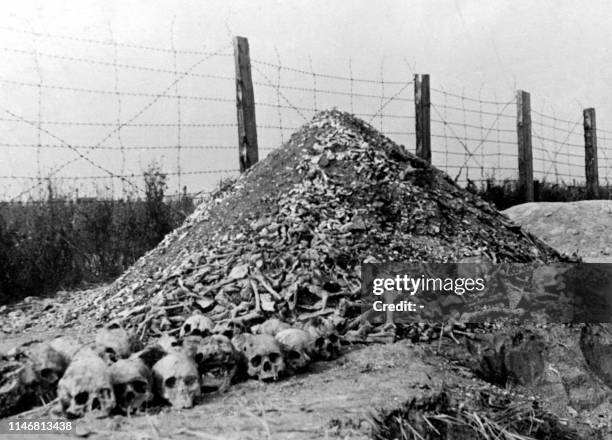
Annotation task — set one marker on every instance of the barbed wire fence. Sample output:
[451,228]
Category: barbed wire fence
[106,151]
[154,114]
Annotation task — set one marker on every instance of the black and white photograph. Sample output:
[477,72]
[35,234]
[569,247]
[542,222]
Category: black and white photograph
[306,219]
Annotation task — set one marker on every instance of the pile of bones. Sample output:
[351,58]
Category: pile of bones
[350,195]
[115,374]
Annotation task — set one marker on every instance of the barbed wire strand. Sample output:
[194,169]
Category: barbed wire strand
[113,131]
[278,98]
[178,104]
[389,100]
[382,90]
[38,69]
[481,123]
[107,43]
[121,65]
[463,143]
[119,106]
[497,132]
[128,148]
[314,84]
[351,83]
[282,95]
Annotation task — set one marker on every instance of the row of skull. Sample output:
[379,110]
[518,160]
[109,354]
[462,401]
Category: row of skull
[114,373]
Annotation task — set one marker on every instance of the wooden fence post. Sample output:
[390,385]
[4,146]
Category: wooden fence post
[248,154]
[590,153]
[422,118]
[525,156]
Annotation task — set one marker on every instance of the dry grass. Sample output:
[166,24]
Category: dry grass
[61,243]
[506,193]
[473,416]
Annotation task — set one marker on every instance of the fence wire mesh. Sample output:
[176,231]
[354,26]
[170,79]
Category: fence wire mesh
[94,129]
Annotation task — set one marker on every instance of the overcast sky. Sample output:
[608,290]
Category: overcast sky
[558,50]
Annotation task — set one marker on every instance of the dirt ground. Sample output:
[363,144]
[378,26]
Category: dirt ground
[581,228]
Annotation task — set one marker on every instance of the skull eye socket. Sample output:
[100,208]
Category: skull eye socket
[199,358]
[319,342]
[293,355]
[274,357]
[81,398]
[170,382]
[190,380]
[333,338]
[111,354]
[256,361]
[120,388]
[187,328]
[139,386]
[48,374]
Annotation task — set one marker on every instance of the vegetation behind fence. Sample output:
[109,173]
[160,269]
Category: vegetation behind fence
[62,243]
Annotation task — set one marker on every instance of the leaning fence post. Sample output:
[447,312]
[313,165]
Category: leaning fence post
[525,156]
[590,153]
[422,119]
[248,154]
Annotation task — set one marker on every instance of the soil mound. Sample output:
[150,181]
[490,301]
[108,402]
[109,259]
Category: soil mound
[289,236]
[574,228]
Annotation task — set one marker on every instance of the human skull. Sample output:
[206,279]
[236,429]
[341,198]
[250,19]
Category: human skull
[326,341]
[47,364]
[271,327]
[168,343]
[15,380]
[66,346]
[132,384]
[217,361]
[263,355]
[229,328]
[189,345]
[198,325]
[295,344]
[176,380]
[86,386]
[113,343]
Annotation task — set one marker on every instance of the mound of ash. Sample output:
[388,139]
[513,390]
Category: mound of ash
[288,237]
